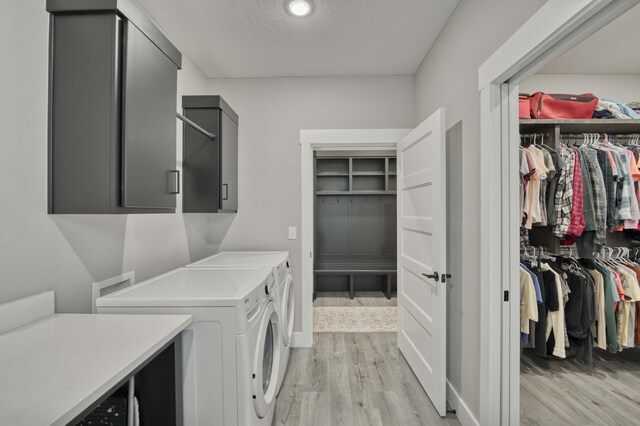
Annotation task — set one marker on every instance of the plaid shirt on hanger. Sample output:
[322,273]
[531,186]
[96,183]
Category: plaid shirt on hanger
[599,195]
[564,192]
[610,184]
[589,212]
[577,225]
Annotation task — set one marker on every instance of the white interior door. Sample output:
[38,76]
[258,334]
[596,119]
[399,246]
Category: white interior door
[422,296]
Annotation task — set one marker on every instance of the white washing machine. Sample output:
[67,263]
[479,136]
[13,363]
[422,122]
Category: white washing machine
[284,293]
[231,352]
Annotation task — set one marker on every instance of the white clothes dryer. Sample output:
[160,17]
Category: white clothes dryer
[284,293]
[231,352]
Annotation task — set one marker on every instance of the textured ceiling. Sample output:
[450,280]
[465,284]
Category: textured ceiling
[257,38]
[615,49]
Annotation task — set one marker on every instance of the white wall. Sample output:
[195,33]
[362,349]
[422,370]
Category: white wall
[448,77]
[622,87]
[272,113]
[66,253]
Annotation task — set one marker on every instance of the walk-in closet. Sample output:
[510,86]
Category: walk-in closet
[580,235]
[355,240]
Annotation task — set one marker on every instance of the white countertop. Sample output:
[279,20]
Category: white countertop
[53,369]
[190,287]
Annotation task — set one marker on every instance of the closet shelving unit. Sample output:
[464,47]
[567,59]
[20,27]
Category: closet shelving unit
[553,131]
[355,223]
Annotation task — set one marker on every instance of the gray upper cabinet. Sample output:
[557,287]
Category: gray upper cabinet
[112,123]
[210,183]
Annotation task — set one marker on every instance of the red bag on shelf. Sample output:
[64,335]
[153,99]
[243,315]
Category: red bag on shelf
[524,106]
[561,106]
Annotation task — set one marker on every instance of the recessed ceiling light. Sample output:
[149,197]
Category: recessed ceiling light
[299,8]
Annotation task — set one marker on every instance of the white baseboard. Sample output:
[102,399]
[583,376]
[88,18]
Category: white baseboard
[465,416]
[299,340]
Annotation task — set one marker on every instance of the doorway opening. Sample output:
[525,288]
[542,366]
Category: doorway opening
[509,397]
[419,172]
[583,343]
[347,181]
[354,288]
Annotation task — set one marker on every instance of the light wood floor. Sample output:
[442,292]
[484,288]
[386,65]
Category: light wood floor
[571,393]
[362,298]
[353,379]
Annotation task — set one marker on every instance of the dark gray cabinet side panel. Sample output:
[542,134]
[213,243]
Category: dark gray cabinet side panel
[201,157]
[229,163]
[82,67]
[149,123]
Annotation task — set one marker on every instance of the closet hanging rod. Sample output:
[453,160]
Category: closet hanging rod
[581,135]
[195,126]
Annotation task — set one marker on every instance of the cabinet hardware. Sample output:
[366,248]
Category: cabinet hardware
[174,181]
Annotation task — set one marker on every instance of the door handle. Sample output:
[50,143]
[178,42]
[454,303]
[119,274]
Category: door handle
[435,275]
[174,181]
[225,191]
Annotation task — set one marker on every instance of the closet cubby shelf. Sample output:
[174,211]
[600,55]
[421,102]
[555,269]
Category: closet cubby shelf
[368,173]
[357,192]
[583,126]
[355,175]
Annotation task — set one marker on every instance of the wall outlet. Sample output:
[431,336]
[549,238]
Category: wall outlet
[292,232]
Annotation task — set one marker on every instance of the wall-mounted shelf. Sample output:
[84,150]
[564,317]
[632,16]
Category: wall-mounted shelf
[582,126]
[356,192]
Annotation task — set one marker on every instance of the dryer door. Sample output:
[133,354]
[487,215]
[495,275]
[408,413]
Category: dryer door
[266,362]
[288,310]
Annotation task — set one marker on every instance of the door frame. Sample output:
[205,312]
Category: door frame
[322,139]
[554,29]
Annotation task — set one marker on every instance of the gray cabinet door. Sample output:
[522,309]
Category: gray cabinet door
[148,123]
[228,164]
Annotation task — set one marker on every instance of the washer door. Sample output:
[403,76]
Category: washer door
[266,362]
[288,309]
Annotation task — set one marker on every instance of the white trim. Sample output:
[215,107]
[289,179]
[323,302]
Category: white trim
[18,313]
[554,29]
[511,249]
[310,140]
[463,413]
[555,20]
[97,288]
[490,318]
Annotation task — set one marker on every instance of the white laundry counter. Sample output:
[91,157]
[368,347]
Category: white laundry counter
[56,369]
